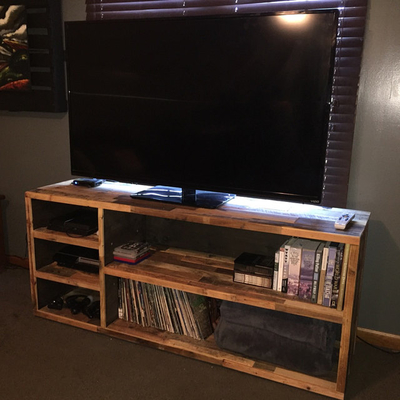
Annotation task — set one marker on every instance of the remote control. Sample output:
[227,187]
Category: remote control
[343,220]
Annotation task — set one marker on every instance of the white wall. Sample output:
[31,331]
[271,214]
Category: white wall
[34,151]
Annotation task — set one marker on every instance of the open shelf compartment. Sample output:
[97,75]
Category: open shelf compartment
[207,350]
[212,276]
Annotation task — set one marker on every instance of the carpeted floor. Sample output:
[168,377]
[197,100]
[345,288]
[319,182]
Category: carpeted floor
[41,359]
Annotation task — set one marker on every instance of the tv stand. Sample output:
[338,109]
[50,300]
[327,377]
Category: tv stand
[193,251]
[190,197]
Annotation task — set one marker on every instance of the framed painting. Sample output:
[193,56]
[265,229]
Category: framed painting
[14,56]
[32,73]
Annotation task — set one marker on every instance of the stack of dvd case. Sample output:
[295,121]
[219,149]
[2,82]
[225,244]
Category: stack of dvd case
[132,252]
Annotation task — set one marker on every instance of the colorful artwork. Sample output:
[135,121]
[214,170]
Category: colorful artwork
[14,57]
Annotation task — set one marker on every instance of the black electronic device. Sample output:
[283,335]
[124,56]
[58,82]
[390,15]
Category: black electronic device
[234,104]
[77,223]
[87,182]
[92,310]
[79,300]
[81,258]
[56,304]
[76,303]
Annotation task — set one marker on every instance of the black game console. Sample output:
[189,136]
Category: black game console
[80,258]
[79,223]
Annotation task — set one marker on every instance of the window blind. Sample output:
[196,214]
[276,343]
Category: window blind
[352,18]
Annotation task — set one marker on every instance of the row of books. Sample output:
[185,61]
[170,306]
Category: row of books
[312,270]
[163,308]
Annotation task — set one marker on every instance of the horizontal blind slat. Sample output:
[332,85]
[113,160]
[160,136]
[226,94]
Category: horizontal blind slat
[348,62]
[242,5]
[169,12]
[344,99]
[352,22]
[351,52]
[339,136]
[344,91]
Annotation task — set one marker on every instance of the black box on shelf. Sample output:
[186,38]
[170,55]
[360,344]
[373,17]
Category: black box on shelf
[79,223]
[254,269]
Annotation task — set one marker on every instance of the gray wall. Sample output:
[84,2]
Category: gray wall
[375,173]
[34,151]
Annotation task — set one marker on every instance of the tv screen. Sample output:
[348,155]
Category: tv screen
[234,104]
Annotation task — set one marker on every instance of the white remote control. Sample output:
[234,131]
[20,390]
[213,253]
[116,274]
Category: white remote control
[343,220]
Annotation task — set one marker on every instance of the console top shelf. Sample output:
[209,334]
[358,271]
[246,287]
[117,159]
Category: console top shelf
[283,218]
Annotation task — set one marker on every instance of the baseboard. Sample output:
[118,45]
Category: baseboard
[380,339]
[18,261]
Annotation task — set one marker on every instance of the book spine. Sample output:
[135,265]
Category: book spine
[317,269]
[172,310]
[285,265]
[133,300]
[276,271]
[343,277]
[306,273]
[322,274]
[141,303]
[294,269]
[161,317]
[201,315]
[252,279]
[329,275]
[180,311]
[120,300]
[280,267]
[336,275]
[128,301]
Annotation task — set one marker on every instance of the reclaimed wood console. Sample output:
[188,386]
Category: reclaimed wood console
[195,252]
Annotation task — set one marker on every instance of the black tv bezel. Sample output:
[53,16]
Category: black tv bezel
[286,196]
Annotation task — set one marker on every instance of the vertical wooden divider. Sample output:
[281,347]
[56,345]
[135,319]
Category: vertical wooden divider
[346,339]
[31,251]
[101,268]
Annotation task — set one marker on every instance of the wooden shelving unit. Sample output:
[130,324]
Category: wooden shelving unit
[193,251]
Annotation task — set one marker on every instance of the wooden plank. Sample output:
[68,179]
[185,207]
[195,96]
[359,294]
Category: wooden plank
[31,251]
[113,197]
[112,300]
[170,269]
[65,317]
[348,330]
[69,276]
[91,241]
[102,286]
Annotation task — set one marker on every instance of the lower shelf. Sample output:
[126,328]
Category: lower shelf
[66,317]
[207,350]
[69,276]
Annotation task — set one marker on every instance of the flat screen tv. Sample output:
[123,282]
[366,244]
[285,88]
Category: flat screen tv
[232,104]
